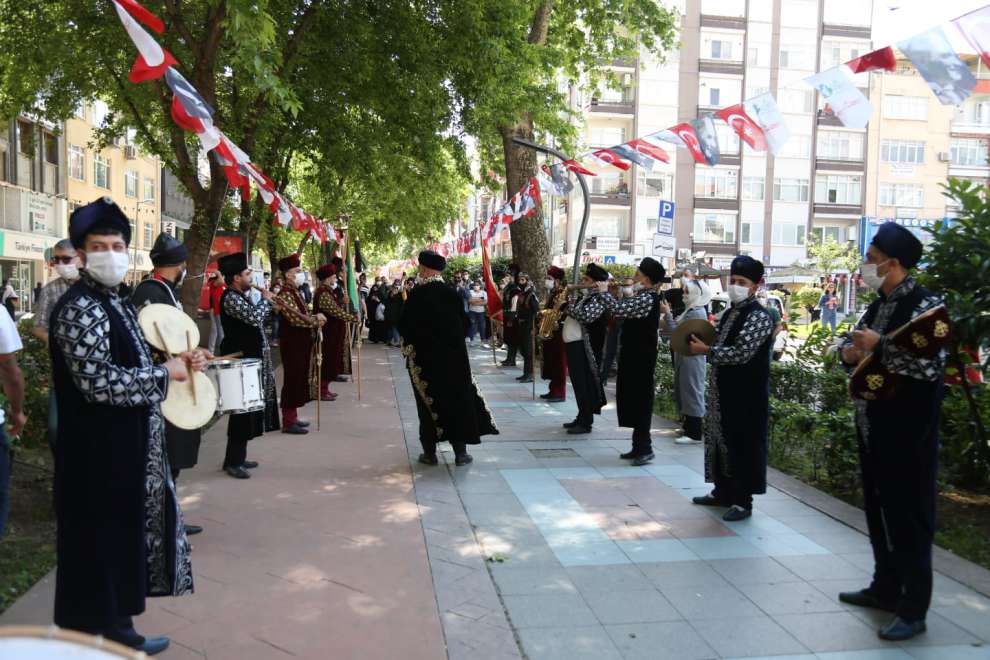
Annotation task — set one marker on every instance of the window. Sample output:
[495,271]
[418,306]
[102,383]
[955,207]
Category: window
[827,233]
[715,183]
[721,50]
[610,95]
[100,111]
[838,189]
[968,152]
[714,228]
[902,151]
[840,145]
[752,187]
[606,225]
[790,190]
[794,57]
[606,137]
[609,183]
[785,58]
[81,111]
[25,137]
[754,57]
[51,149]
[713,96]
[973,112]
[728,139]
[77,162]
[797,146]
[654,184]
[148,235]
[905,107]
[751,233]
[835,53]
[902,194]
[788,233]
[101,171]
[796,101]
[130,183]
[149,188]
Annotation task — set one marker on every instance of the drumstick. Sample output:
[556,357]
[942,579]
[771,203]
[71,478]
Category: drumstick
[192,375]
[228,356]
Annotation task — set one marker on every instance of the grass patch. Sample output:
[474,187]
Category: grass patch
[27,552]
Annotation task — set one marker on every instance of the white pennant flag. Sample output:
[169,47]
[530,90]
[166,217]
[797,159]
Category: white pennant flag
[145,43]
[848,103]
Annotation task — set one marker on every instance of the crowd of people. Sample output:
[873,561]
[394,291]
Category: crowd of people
[121,532]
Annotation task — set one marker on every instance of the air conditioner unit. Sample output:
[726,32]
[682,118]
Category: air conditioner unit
[943,157]
[130,152]
[627,79]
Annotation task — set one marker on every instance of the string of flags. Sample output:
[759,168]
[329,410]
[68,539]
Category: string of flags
[758,121]
[524,204]
[191,112]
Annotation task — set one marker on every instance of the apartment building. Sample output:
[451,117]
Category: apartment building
[120,171]
[33,207]
[177,206]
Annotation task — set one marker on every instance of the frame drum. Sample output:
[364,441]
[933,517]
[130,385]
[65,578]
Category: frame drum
[54,643]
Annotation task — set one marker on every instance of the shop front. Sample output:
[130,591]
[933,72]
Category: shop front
[22,261]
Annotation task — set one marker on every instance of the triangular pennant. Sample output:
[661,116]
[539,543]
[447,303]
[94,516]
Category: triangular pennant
[152,60]
[946,74]
[609,157]
[744,125]
[883,59]
[634,156]
[649,149]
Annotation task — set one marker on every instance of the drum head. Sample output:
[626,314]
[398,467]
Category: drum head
[702,329]
[169,324]
[179,408]
[51,643]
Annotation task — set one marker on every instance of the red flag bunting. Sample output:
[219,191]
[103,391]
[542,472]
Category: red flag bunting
[687,134]
[143,15]
[651,150]
[575,166]
[882,59]
[975,26]
[750,132]
[609,157]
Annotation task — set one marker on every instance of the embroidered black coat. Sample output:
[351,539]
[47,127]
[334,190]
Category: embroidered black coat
[244,331]
[635,384]
[120,534]
[432,329]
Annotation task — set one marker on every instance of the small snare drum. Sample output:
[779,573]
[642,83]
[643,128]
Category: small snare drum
[238,385]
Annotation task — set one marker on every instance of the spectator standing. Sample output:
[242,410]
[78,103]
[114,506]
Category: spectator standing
[216,329]
[12,382]
[477,304]
[8,298]
[829,304]
[394,304]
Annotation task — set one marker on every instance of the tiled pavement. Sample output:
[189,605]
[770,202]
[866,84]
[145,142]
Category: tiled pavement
[555,541]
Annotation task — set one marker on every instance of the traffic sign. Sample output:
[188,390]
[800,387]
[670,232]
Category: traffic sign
[666,224]
[664,246]
[609,259]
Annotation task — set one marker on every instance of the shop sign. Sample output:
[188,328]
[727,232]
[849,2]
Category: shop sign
[17,245]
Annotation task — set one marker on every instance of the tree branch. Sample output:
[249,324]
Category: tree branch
[540,26]
[178,23]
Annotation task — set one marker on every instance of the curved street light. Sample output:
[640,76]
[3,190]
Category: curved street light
[579,247]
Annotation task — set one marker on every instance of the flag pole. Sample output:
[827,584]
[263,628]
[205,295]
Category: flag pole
[532,357]
[359,342]
[491,339]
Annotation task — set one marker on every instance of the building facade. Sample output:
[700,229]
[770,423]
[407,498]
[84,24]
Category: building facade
[33,208]
[120,171]
[177,206]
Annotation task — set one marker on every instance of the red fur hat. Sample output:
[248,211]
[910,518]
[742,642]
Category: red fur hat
[288,263]
[325,271]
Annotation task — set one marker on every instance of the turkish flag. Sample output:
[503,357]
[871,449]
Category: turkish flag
[747,128]
[143,15]
[690,139]
[574,166]
[609,157]
[494,297]
[975,26]
[883,59]
[651,150]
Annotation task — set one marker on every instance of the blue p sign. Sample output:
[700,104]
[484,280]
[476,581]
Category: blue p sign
[666,209]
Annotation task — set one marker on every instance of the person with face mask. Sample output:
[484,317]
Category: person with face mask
[297,329]
[527,306]
[339,293]
[554,366]
[690,371]
[898,437]
[335,347]
[584,321]
[65,263]
[119,526]
[738,406]
[477,306]
[510,316]
[244,332]
[168,256]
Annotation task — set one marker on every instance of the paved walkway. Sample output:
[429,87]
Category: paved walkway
[548,546]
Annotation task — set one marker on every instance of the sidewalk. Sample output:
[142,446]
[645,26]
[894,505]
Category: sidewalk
[547,546]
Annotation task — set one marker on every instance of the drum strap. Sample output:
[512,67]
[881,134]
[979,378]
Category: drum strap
[168,289]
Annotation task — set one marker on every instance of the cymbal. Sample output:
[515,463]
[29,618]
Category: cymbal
[169,324]
[701,328]
[178,406]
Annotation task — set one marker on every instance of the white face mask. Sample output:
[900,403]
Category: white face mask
[738,293]
[300,279]
[67,271]
[627,290]
[548,283]
[108,268]
[870,275]
[637,287]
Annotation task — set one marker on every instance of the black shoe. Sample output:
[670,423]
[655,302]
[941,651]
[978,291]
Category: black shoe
[525,379]
[736,513]
[632,453]
[340,379]
[295,429]
[249,465]
[866,598]
[506,363]
[463,459]
[153,645]
[237,472]
[303,424]
[643,459]
[558,399]
[192,529]
[707,500]
[428,459]
[570,425]
[545,396]
[899,629]
[578,429]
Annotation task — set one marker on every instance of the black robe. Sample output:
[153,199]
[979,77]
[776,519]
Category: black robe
[120,534]
[738,403]
[182,444]
[244,331]
[635,384]
[432,329]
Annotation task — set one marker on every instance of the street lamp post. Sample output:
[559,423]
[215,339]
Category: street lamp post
[579,247]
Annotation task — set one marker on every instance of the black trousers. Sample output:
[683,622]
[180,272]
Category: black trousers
[428,431]
[583,382]
[899,495]
[526,345]
[240,429]
[611,351]
[692,427]
[111,625]
[728,492]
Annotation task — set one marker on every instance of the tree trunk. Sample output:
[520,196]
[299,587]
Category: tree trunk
[206,218]
[530,249]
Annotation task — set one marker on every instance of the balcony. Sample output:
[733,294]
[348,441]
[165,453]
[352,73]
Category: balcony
[969,126]
[723,22]
[623,63]
[840,164]
[720,203]
[611,198]
[25,171]
[51,179]
[732,67]
[851,31]
[624,106]
[838,209]
[828,119]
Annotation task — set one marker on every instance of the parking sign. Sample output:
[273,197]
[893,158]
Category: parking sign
[666,224]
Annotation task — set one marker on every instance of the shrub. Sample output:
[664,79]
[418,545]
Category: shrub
[35,364]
